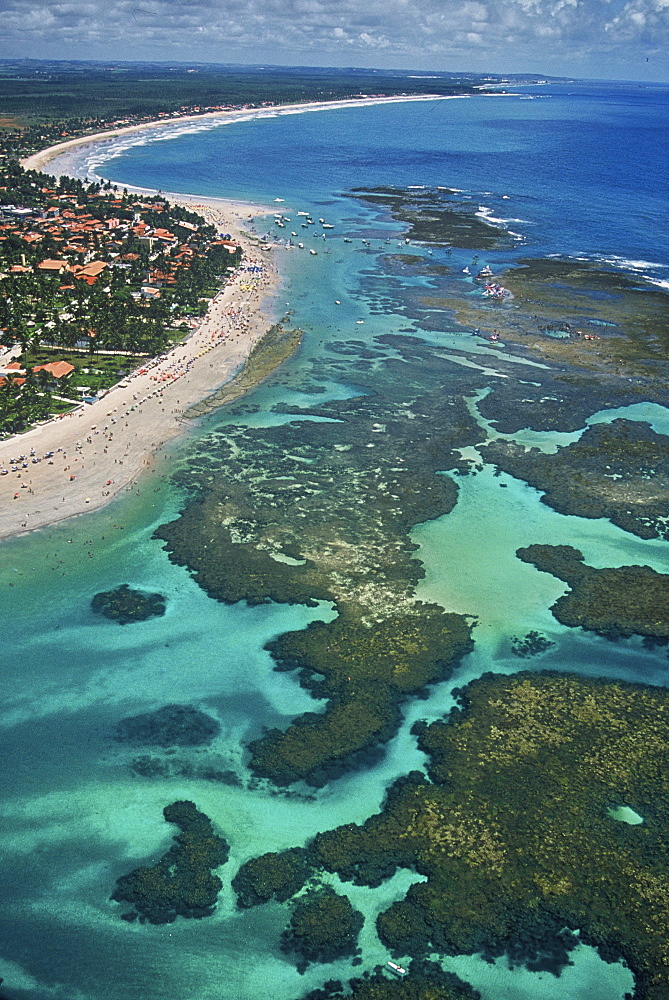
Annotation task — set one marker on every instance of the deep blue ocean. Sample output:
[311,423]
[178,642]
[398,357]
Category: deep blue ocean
[572,169]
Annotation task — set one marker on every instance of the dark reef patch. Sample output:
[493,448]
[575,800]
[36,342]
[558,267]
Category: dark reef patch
[616,603]
[531,644]
[181,884]
[618,470]
[426,981]
[124,605]
[432,216]
[169,726]
[322,511]
[272,876]
[512,828]
[323,927]
[365,671]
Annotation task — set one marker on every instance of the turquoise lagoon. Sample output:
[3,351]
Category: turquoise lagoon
[75,814]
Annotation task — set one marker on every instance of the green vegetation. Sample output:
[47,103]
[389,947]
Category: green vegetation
[618,470]
[616,603]
[125,605]
[181,883]
[43,101]
[323,927]
[23,401]
[96,278]
[514,833]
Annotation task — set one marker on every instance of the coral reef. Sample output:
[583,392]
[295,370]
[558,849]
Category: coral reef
[531,644]
[323,927]
[618,470]
[181,883]
[169,726]
[616,603]
[513,830]
[272,876]
[434,217]
[426,981]
[322,511]
[124,605]
[365,671]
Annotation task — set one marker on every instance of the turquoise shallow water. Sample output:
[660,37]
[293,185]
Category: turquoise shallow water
[75,815]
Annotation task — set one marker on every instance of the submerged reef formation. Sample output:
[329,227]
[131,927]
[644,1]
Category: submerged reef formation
[616,603]
[124,605]
[435,216]
[618,470]
[607,327]
[322,510]
[272,876]
[181,884]
[365,671]
[169,726]
[323,927]
[531,644]
[514,832]
[426,981]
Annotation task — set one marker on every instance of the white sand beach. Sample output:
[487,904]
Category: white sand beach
[102,447]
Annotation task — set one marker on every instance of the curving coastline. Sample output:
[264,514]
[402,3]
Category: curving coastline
[38,161]
[146,412]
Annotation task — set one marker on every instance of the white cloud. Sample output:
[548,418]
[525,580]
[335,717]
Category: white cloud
[437,33]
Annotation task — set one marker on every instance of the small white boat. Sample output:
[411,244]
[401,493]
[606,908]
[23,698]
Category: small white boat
[327,225]
[314,252]
[301,246]
[397,968]
[306,214]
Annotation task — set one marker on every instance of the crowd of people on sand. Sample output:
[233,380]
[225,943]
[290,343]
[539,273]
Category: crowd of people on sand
[106,459]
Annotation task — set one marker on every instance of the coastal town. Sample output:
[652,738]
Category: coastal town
[93,280]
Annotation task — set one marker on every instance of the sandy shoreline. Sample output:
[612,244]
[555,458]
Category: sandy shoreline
[100,448]
[38,161]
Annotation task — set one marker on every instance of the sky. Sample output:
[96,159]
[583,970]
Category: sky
[598,39]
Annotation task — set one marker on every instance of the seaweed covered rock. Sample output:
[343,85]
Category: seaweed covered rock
[513,828]
[365,670]
[169,726]
[181,883]
[533,643]
[322,510]
[124,605]
[425,981]
[272,876]
[616,603]
[323,927]
[618,470]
